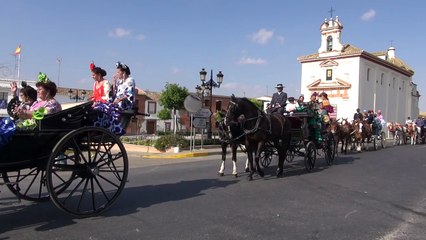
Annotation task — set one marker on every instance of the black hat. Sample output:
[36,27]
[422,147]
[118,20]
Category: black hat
[279,85]
[291,99]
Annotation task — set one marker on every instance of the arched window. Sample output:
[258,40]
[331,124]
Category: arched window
[329,43]
[381,78]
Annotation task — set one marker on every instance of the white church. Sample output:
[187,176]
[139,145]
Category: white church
[354,78]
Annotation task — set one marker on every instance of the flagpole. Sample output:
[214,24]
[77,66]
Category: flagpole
[19,66]
[59,60]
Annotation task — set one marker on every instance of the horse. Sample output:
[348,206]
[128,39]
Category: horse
[230,134]
[335,129]
[260,128]
[412,132]
[367,133]
[357,132]
[344,135]
[396,130]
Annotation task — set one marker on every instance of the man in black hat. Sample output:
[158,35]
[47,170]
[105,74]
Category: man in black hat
[279,100]
[358,115]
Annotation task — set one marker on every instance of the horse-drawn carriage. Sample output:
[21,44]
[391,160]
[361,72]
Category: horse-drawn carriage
[365,133]
[266,136]
[306,139]
[308,136]
[80,167]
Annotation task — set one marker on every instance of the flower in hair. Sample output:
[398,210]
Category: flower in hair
[42,77]
[92,66]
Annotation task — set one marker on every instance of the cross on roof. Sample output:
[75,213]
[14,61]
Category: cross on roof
[331,12]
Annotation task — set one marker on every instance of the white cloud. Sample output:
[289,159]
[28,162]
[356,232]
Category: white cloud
[262,36]
[254,61]
[280,39]
[230,86]
[120,33]
[141,37]
[367,16]
[176,70]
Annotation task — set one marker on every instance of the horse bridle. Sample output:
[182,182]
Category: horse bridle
[250,131]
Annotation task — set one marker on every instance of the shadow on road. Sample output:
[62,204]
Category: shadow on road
[17,215]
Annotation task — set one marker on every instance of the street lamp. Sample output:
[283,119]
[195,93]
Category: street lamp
[76,97]
[206,89]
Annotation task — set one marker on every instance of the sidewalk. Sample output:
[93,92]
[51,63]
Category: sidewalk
[151,152]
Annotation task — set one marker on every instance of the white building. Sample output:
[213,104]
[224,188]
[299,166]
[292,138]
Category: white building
[354,78]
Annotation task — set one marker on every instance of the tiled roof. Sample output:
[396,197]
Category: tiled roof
[349,50]
[155,96]
[396,61]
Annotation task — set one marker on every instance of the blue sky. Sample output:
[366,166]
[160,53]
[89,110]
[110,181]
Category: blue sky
[255,43]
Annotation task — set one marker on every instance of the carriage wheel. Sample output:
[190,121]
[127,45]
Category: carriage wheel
[91,164]
[28,184]
[310,156]
[266,157]
[329,150]
[290,155]
[383,139]
[375,142]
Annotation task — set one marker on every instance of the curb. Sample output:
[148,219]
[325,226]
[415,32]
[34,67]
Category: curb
[181,155]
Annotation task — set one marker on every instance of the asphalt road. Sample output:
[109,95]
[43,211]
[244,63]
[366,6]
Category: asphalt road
[370,195]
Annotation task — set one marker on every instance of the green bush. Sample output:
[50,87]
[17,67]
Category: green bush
[168,141]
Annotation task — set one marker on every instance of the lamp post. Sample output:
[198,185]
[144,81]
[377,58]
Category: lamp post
[76,97]
[206,89]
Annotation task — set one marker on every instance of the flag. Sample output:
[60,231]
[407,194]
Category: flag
[18,50]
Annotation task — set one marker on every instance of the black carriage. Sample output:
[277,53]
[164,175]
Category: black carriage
[306,138]
[80,167]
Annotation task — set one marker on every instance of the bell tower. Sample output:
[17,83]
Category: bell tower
[331,31]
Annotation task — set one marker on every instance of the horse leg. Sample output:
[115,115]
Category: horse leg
[222,166]
[257,157]
[234,160]
[250,162]
[282,154]
[247,166]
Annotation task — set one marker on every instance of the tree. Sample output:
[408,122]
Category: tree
[257,102]
[164,114]
[172,98]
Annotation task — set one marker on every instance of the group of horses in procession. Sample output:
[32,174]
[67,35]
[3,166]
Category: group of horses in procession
[253,130]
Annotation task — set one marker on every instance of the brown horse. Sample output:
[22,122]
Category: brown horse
[335,129]
[345,135]
[362,131]
[412,132]
[259,129]
[357,133]
[397,131]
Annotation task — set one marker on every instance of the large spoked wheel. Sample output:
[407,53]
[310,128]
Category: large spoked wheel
[383,139]
[329,150]
[266,157]
[290,155]
[310,156]
[28,184]
[87,171]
